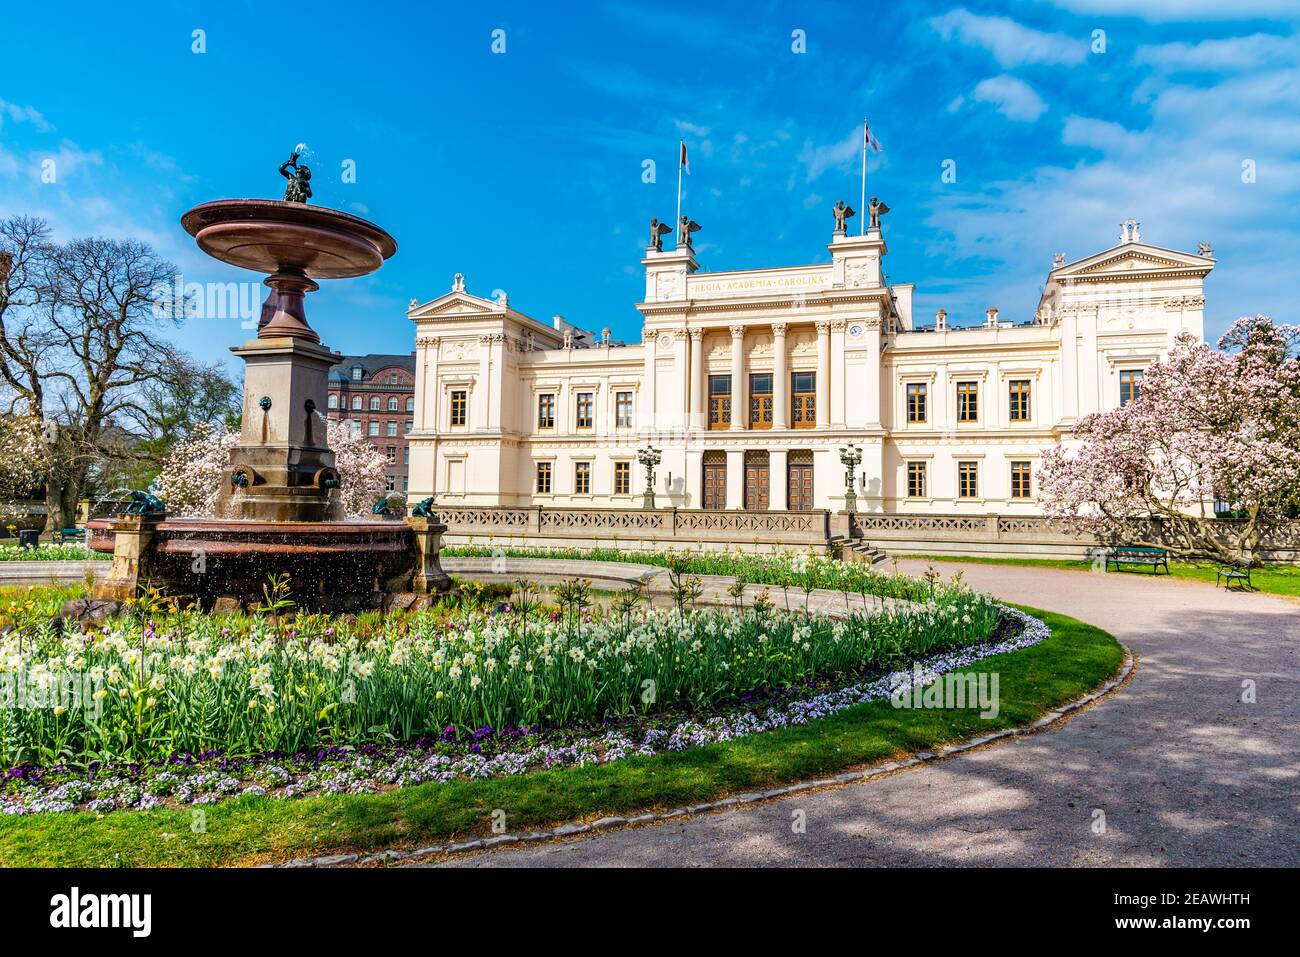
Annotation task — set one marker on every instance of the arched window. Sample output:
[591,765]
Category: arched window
[392,403]
[374,403]
[410,405]
[356,402]
[334,401]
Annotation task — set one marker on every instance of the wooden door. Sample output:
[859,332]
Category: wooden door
[715,485]
[799,494]
[756,484]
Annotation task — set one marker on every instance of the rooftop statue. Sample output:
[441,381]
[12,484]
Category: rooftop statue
[299,188]
[877,209]
[684,230]
[658,231]
[842,215]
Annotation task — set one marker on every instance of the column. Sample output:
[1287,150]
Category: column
[646,407]
[497,396]
[780,382]
[426,386]
[872,389]
[482,394]
[823,374]
[681,404]
[698,383]
[837,373]
[778,480]
[735,478]
[739,398]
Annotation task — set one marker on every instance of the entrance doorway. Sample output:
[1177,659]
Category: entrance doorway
[756,482]
[715,481]
[799,485]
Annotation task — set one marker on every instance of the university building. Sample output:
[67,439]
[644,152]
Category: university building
[750,382]
[375,396]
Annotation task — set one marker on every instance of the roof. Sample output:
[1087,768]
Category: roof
[372,363]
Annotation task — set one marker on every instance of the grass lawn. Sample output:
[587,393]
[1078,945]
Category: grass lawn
[1074,660]
[1274,579]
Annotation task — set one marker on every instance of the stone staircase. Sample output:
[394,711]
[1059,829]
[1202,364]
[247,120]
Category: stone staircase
[858,549]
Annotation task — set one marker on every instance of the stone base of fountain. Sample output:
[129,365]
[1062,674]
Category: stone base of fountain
[225,565]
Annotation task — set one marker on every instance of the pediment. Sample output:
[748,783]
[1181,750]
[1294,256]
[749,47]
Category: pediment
[455,304]
[1131,258]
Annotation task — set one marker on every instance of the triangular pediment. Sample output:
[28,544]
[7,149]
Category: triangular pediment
[455,304]
[1131,258]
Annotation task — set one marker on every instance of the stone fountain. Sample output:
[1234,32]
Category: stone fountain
[279,506]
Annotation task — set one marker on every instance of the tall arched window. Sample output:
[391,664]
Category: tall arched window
[374,403]
[356,402]
[334,401]
[410,405]
[392,403]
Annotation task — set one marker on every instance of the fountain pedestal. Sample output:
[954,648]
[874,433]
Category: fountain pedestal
[282,470]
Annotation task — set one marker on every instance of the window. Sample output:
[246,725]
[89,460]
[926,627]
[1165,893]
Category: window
[1019,400]
[392,454]
[392,403]
[459,406]
[1130,386]
[622,478]
[916,480]
[803,399]
[410,405]
[374,429]
[392,430]
[356,373]
[719,401]
[390,483]
[968,479]
[374,403]
[333,401]
[355,425]
[1021,483]
[409,426]
[544,478]
[760,400]
[546,411]
[968,402]
[623,410]
[356,403]
[581,478]
[406,456]
[916,402]
[586,410]
[392,378]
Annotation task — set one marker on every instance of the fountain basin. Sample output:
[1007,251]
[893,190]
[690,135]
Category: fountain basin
[334,567]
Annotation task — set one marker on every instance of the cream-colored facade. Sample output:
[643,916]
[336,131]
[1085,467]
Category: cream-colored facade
[750,382]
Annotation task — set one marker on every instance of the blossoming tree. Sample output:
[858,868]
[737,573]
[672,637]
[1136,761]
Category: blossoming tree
[192,476]
[1209,424]
[22,457]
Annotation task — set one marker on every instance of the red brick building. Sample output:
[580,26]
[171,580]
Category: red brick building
[376,395]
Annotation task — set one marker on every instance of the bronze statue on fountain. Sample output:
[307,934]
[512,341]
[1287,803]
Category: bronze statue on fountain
[278,511]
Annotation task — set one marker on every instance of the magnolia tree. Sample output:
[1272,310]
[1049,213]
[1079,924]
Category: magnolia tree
[22,457]
[1207,425]
[192,477]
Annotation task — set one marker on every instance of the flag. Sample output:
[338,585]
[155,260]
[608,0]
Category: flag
[683,162]
[868,139]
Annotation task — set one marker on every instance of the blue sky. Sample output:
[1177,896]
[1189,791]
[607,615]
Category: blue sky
[523,169]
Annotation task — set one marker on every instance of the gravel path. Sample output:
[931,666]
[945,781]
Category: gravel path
[1184,772]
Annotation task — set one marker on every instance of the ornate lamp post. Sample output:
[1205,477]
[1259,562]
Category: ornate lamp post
[649,457]
[851,457]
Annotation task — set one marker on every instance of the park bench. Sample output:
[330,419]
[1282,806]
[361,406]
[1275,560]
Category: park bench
[1235,571]
[1157,558]
[69,535]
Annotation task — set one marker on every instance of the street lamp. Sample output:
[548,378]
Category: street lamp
[649,457]
[851,457]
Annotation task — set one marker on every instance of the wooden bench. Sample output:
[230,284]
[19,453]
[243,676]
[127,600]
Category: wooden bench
[69,535]
[1157,558]
[1237,571]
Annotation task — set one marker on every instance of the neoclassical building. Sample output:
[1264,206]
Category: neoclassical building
[751,381]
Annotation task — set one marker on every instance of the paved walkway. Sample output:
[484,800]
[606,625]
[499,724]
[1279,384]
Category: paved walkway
[1185,773]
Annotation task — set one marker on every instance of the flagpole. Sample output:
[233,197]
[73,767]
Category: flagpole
[677,223]
[862,209]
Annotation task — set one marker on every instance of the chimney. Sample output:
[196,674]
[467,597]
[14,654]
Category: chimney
[557,322]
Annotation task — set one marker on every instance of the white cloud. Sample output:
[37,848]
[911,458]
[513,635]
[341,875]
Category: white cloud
[1227,55]
[23,114]
[1168,11]
[1011,43]
[1013,98]
[818,159]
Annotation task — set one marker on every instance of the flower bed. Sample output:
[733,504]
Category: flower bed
[50,552]
[483,752]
